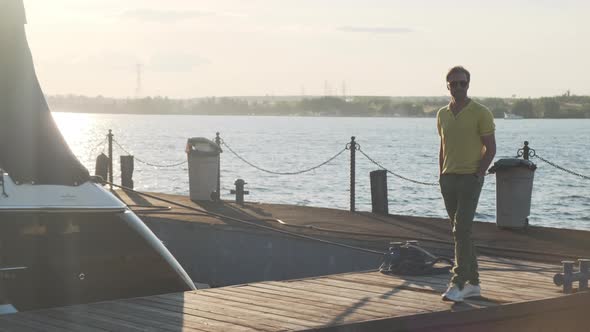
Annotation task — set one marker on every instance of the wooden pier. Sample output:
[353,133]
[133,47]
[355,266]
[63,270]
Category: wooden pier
[515,294]
[516,274]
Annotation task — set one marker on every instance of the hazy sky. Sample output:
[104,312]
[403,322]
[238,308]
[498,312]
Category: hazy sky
[192,48]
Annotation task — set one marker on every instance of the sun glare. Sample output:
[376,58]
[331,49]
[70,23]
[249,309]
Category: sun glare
[75,127]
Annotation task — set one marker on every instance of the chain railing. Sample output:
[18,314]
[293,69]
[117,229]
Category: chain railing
[97,147]
[395,174]
[149,163]
[282,173]
[585,177]
[526,152]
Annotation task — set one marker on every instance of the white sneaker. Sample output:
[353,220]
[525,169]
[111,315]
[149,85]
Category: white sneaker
[453,293]
[470,290]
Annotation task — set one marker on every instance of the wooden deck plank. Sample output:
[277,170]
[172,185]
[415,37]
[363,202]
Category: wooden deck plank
[263,313]
[387,296]
[107,322]
[9,323]
[146,322]
[17,327]
[538,280]
[212,311]
[413,298]
[12,320]
[291,310]
[154,319]
[496,295]
[321,305]
[232,313]
[178,320]
[440,285]
[137,314]
[511,282]
[309,303]
[298,307]
[62,325]
[78,317]
[519,263]
[364,303]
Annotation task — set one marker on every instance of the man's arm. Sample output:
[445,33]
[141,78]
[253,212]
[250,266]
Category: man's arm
[440,157]
[489,141]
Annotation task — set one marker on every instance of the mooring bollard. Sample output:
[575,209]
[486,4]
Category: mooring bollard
[379,200]
[102,166]
[568,277]
[239,191]
[127,164]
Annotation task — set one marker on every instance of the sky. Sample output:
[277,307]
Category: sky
[192,48]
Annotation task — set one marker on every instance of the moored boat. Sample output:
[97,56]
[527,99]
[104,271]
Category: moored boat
[512,116]
[63,238]
[63,245]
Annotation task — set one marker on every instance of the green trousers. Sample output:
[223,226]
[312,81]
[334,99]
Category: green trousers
[461,195]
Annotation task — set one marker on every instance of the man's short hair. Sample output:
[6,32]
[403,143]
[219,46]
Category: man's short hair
[459,69]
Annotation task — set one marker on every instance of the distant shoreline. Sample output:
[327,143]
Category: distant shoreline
[561,107]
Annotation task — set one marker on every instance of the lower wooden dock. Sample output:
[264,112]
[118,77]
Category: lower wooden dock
[516,269]
[515,294]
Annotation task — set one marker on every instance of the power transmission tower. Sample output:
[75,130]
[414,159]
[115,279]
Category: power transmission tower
[138,81]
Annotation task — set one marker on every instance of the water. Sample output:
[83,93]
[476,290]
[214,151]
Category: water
[406,146]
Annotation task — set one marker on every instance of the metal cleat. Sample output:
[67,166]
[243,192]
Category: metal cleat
[239,191]
[568,277]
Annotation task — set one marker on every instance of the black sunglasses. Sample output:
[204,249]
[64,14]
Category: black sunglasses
[456,84]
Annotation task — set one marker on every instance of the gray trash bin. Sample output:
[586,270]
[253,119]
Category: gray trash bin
[514,188]
[203,168]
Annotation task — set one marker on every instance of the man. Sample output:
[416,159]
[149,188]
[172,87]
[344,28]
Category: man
[467,147]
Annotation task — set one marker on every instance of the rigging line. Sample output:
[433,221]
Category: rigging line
[250,223]
[432,240]
[329,230]
[390,237]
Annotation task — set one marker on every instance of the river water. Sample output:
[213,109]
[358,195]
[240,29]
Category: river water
[406,146]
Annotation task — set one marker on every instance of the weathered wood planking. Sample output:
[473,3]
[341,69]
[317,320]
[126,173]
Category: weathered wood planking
[350,301]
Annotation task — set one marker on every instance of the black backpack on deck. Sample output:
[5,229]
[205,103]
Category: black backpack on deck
[411,259]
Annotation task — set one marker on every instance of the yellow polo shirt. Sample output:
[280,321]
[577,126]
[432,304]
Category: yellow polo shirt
[461,137]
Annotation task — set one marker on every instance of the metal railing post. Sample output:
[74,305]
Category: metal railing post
[352,173]
[525,150]
[218,142]
[110,136]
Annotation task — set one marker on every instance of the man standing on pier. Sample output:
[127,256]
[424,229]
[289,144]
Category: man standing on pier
[467,147]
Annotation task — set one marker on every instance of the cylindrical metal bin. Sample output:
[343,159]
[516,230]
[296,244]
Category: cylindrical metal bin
[203,166]
[514,188]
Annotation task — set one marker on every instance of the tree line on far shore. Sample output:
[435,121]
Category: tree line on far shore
[546,107]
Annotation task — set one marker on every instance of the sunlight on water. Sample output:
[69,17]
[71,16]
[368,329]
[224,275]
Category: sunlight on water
[75,126]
